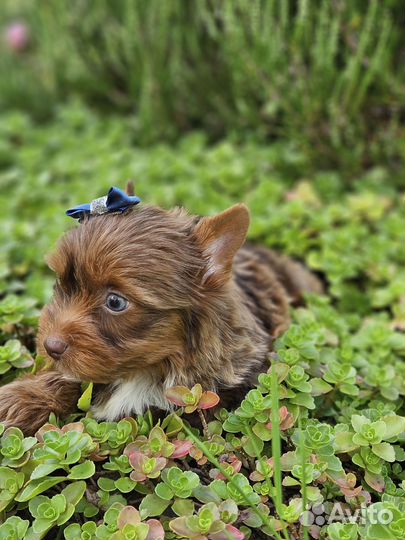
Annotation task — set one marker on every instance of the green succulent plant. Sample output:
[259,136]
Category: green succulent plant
[292,512]
[343,376]
[367,432]
[343,531]
[192,399]
[302,340]
[47,512]
[55,511]
[255,405]
[156,444]
[17,310]
[144,466]
[74,531]
[206,524]
[14,528]
[298,379]
[99,431]
[239,490]
[14,354]
[11,482]
[304,474]
[15,448]
[368,460]
[64,448]
[176,483]
[110,522]
[318,437]
[118,463]
[122,432]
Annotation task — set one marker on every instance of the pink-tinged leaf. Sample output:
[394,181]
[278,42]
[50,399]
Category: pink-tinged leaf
[161,463]
[236,465]
[96,455]
[136,459]
[315,531]
[288,460]
[139,462]
[176,395]
[44,429]
[376,481]
[181,449]
[255,476]
[230,533]
[286,419]
[130,448]
[137,476]
[73,426]
[208,400]
[278,525]
[283,413]
[156,531]
[347,484]
[352,493]
[179,526]
[198,455]
[287,423]
[130,515]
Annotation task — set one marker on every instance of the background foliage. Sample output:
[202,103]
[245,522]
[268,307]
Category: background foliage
[326,74]
[204,107]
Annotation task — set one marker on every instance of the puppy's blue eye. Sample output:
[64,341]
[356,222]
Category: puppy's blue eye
[115,302]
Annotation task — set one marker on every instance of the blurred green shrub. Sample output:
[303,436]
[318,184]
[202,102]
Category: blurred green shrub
[353,237]
[325,74]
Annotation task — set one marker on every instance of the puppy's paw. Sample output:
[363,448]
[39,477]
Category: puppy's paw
[18,407]
[27,403]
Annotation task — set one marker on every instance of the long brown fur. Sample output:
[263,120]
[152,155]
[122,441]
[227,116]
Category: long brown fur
[201,309]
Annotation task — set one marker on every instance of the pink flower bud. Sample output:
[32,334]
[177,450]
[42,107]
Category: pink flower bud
[16,36]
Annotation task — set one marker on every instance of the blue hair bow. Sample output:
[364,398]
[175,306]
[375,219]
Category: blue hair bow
[116,201]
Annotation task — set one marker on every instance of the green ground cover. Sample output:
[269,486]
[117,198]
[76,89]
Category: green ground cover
[334,396]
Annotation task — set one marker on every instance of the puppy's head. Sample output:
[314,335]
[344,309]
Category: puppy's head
[126,285]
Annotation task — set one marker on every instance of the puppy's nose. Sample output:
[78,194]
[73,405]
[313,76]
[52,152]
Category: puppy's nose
[55,347]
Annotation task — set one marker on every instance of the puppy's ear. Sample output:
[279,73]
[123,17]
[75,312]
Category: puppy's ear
[130,189]
[220,237]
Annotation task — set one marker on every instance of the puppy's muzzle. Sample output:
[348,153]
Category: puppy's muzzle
[55,347]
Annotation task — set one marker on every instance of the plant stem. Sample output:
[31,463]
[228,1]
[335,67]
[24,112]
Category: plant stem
[276,440]
[303,484]
[204,423]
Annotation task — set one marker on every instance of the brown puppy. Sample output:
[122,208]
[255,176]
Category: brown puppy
[149,299]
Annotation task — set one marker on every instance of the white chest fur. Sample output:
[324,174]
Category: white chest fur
[134,396]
